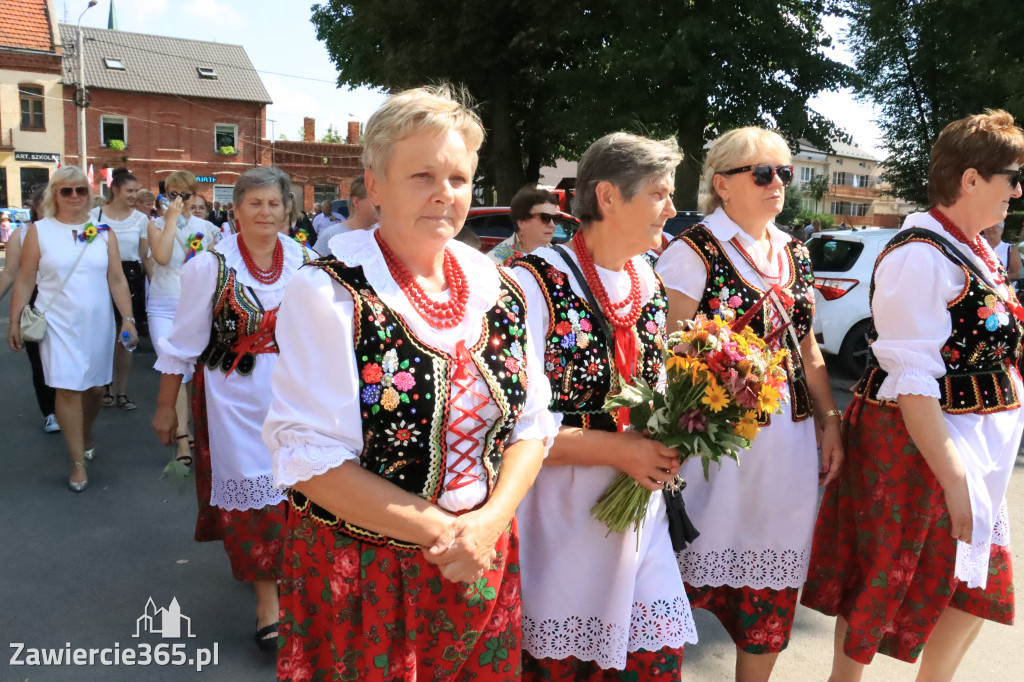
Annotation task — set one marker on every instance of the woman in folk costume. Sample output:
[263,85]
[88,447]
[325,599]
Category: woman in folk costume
[408,423]
[224,330]
[756,516]
[911,549]
[600,605]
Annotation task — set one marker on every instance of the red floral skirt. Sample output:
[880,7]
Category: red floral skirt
[253,538]
[254,541]
[640,665]
[365,612]
[883,558]
[758,621]
[208,520]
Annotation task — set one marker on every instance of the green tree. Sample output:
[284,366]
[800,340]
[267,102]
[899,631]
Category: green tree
[816,188]
[927,63]
[551,77]
[332,135]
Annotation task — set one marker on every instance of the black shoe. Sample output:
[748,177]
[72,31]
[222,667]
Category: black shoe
[266,638]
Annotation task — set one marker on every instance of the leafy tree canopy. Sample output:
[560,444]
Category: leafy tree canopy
[551,77]
[927,63]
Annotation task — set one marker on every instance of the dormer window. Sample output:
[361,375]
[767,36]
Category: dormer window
[206,72]
[113,64]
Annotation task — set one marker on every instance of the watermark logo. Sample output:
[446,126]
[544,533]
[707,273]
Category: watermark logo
[168,623]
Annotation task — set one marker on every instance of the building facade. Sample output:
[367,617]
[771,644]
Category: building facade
[159,105]
[31,110]
[852,188]
[320,171]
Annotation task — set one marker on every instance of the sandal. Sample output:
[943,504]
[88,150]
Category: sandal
[184,459]
[108,398]
[125,403]
[266,638]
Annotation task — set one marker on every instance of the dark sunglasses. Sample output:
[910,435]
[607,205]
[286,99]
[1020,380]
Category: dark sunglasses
[66,192]
[763,174]
[1014,176]
[185,196]
[546,218]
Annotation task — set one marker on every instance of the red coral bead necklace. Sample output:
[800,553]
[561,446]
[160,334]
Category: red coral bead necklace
[979,248]
[608,307]
[262,276]
[444,314]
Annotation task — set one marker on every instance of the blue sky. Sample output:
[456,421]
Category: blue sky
[279,37]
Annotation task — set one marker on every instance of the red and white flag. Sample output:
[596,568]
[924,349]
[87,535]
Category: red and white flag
[92,178]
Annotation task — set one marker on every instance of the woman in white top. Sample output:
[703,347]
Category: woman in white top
[403,388]
[911,548]
[751,557]
[78,268]
[171,249]
[224,330]
[599,604]
[129,226]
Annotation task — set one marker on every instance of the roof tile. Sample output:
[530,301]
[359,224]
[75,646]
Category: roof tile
[25,24]
[163,65]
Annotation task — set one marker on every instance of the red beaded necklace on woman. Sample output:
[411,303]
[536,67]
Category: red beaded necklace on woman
[774,279]
[262,276]
[979,247]
[609,308]
[443,315]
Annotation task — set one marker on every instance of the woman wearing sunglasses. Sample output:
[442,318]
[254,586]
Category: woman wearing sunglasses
[533,212]
[171,249]
[78,270]
[755,520]
[911,549]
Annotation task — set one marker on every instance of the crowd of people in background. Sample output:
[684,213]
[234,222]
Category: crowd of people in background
[419,505]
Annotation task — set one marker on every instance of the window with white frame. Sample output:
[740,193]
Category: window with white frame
[806,173]
[225,135]
[839,178]
[860,181]
[114,132]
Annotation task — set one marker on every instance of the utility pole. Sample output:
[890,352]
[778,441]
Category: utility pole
[82,99]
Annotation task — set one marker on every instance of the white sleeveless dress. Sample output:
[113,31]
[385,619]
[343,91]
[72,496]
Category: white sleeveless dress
[78,349]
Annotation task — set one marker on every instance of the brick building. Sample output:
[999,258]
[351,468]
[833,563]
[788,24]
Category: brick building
[31,113]
[161,104]
[320,171]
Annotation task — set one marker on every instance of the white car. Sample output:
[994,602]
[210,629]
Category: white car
[843,262]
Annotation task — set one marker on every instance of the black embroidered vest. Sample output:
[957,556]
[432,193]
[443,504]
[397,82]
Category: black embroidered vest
[984,344]
[404,390]
[726,289]
[237,313]
[578,359]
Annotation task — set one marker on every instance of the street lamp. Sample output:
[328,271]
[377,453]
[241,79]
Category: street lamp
[82,101]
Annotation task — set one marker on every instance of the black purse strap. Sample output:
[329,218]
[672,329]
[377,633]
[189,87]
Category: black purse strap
[587,293]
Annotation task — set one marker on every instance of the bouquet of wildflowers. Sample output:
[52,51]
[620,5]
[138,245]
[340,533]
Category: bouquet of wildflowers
[719,379]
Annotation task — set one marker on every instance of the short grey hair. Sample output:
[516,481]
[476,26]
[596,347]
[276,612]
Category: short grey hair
[263,176]
[627,161]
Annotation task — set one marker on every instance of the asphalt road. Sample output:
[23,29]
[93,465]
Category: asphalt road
[78,569]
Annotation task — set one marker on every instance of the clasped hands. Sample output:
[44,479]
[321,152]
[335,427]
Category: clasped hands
[464,551]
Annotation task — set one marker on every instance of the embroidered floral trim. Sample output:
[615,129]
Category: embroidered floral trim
[749,568]
[972,561]
[296,463]
[244,493]
[1001,528]
[665,622]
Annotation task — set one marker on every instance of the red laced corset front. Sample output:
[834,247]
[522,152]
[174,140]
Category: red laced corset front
[466,425]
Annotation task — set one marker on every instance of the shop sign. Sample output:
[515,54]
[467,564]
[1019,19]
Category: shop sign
[37,156]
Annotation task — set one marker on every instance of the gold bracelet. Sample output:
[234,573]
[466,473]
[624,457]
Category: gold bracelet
[834,412]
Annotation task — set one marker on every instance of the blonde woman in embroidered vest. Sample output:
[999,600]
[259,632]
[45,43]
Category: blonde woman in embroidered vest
[78,348]
[407,453]
[223,331]
[911,550]
[756,517]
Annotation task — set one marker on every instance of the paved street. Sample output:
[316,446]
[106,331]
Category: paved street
[79,569]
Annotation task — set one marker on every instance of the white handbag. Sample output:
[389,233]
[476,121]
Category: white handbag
[33,322]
